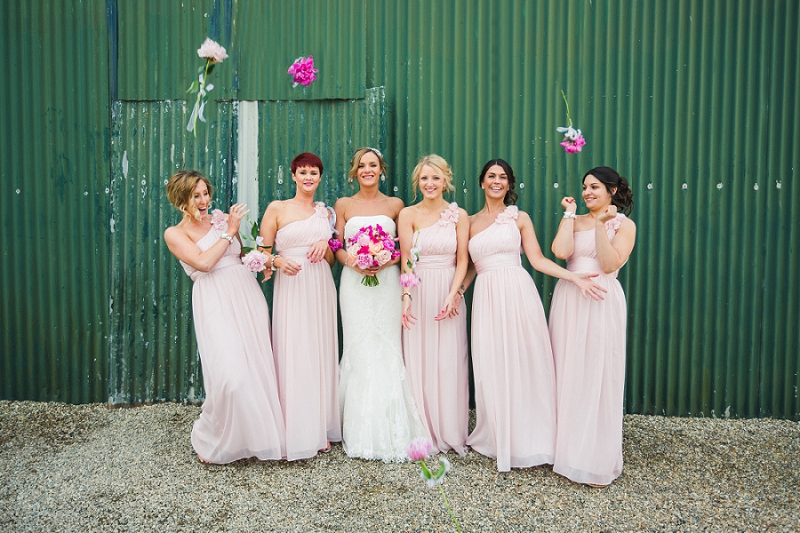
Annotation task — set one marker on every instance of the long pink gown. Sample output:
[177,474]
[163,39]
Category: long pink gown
[241,414]
[305,340]
[435,352]
[511,354]
[588,339]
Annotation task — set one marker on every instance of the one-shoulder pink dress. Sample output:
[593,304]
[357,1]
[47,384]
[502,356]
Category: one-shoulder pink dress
[241,414]
[435,352]
[511,355]
[305,340]
[588,339]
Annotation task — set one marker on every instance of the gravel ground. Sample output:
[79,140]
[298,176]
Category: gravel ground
[88,468]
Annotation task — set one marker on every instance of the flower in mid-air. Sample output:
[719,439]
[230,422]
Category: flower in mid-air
[303,71]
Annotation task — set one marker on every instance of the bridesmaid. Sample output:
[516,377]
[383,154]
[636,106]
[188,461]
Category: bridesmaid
[434,236]
[304,326]
[589,336]
[241,415]
[515,392]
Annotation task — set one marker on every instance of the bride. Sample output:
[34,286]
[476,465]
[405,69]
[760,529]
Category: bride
[379,417]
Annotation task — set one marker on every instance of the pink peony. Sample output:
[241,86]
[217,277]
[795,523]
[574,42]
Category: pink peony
[419,449]
[363,239]
[212,51]
[409,280]
[364,260]
[388,243]
[302,71]
[573,146]
[255,261]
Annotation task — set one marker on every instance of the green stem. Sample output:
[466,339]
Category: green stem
[569,120]
[447,504]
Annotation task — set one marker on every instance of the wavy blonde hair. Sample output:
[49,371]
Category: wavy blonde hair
[356,160]
[437,162]
[180,189]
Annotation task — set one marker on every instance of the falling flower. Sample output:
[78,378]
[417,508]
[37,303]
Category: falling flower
[303,71]
[573,140]
[409,280]
[213,53]
[418,450]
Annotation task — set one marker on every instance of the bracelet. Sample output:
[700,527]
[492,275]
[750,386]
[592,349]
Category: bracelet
[227,238]
[569,214]
[272,263]
[403,295]
[460,293]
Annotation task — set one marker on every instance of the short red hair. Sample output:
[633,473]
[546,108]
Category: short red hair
[307,159]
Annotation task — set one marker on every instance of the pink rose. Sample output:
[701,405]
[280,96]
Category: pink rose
[376,247]
[383,257]
[212,51]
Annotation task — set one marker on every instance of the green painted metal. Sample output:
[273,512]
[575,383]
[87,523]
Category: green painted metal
[695,101]
[54,202]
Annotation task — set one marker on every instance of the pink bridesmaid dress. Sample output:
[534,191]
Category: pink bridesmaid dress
[241,414]
[588,339]
[435,352]
[511,354]
[305,340]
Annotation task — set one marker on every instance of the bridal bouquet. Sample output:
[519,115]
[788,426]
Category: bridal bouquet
[372,247]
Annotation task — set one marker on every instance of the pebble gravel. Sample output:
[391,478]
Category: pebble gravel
[86,468]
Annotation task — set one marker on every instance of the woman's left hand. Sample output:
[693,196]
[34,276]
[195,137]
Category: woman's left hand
[317,251]
[609,214]
[450,309]
[289,267]
[589,287]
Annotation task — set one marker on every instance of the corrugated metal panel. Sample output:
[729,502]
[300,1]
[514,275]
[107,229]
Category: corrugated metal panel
[271,35]
[675,95]
[53,118]
[158,44]
[153,349]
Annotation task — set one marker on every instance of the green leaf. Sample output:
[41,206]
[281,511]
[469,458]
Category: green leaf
[194,87]
[211,68]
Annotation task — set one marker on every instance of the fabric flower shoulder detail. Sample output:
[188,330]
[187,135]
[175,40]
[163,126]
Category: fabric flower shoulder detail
[449,215]
[218,220]
[615,222]
[320,209]
[510,213]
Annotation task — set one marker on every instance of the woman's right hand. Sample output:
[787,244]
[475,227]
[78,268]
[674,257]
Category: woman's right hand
[289,267]
[588,287]
[569,204]
[238,211]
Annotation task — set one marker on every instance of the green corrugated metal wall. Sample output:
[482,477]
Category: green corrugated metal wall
[694,101]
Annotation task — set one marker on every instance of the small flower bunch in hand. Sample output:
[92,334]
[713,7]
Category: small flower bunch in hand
[213,53]
[410,279]
[303,71]
[418,450]
[372,247]
[573,139]
[254,259]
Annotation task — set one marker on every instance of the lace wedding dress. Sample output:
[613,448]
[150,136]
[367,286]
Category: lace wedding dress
[379,417]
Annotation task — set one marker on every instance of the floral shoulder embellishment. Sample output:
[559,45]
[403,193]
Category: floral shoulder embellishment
[615,222]
[449,215]
[510,213]
[218,220]
[320,209]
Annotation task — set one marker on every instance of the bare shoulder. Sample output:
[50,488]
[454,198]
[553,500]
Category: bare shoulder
[342,204]
[523,218]
[396,204]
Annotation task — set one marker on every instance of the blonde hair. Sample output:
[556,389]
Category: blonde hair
[356,160]
[180,189]
[437,162]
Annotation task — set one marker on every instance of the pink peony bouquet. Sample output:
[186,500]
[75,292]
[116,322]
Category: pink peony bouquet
[303,71]
[372,247]
[573,139]
[213,53]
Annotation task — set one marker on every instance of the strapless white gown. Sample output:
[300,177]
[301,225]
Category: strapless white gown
[379,417]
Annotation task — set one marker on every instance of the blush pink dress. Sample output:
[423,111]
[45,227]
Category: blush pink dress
[511,354]
[435,352]
[588,339]
[241,414]
[305,340]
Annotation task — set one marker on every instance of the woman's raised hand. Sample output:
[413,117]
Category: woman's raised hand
[610,213]
[238,211]
[569,204]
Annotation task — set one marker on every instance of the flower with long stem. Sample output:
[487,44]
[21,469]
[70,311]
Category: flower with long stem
[213,53]
[573,140]
[418,450]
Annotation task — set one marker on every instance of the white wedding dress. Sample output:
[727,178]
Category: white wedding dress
[379,417]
